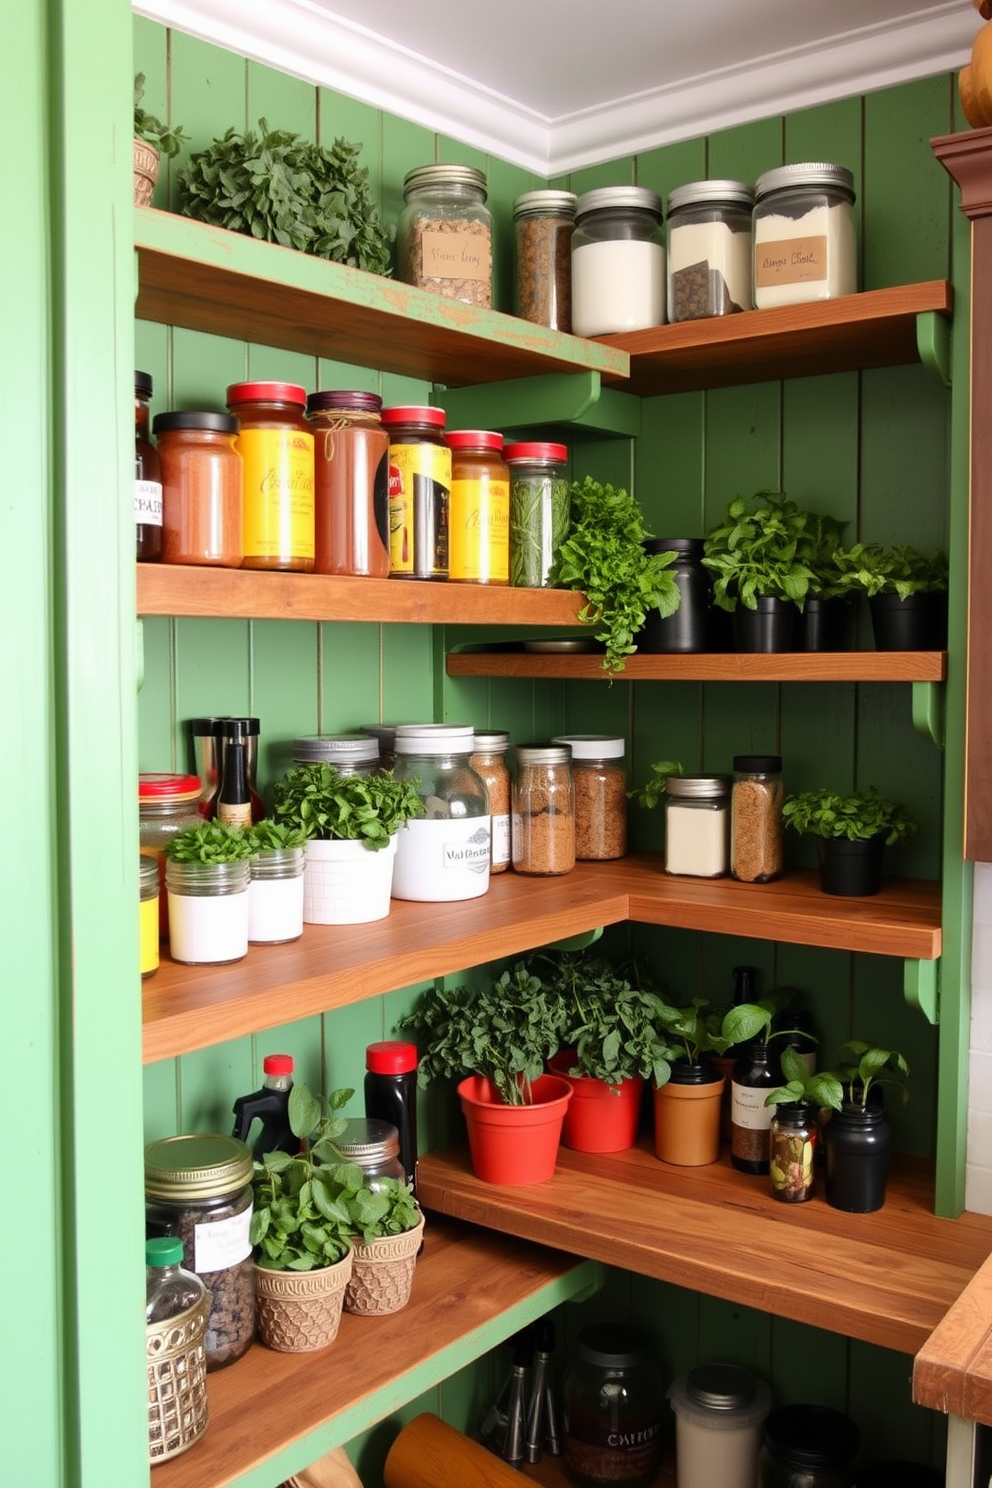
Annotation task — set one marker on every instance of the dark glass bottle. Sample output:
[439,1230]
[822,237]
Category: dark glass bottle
[147,477]
[745,990]
[243,732]
[270,1106]
[756,1072]
[233,796]
[391,1095]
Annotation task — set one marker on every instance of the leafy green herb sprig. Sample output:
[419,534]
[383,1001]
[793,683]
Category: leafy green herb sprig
[284,189]
[269,835]
[330,806]
[693,1029]
[604,559]
[302,1219]
[652,791]
[390,1210]
[871,1065]
[823,1088]
[168,139]
[764,548]
[210,842]
[858,817]
[612,1025]
[901,570]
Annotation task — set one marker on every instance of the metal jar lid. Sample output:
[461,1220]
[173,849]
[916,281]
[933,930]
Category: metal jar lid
[443,175]
[607,198]
[354,749]
[434,738]
[720,1386]
[545,204]
[711,193]
[592,746]
[697,787]
[543,754]
[491,741]
[811,173]
[194,419]
[196,1167]
[367,1141]
[612,1345]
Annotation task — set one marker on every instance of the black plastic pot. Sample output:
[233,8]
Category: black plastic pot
[857,1139]
[771,627]
[852,869]
[688,629]
[918,623]
[825,625]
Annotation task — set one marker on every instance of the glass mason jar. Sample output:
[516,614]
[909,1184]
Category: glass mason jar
[148,932]
[374,1146]
[419,492]
[167,804]
[351,754]
[543,222]
[275,895]
[539,510]
[276,446]
[805,242]
[543,827]
[808,1446]
[599,781]
[756,818]
[697,825]
[443,855]
[444,234]
[385,735]
[613,1403]
[208,911]
[618,261]
[688,630]
[202,519]
[709,249]
[351,484]
[479,509]
[147,477]
[199,1188]
[793,1134]
[489,761]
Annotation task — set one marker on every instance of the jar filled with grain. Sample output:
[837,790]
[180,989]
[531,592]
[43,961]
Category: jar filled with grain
[618,261]
[543,223]
[709,249]
[697,825]
[489,762]
[444,235]
[600,783]
[756,818]
[805,241]
[543,826]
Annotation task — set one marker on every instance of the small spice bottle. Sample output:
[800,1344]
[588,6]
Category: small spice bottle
[805,244]
[793,1137]
[148,932]
[539,510]
[756,818]
[808,1446]
[419,492]
[709,249]
[697,825]
[276,445]
[374,1146]
[618,261]
[543,797]
[489,761]
[147,477]
[479,514]
[351,484]
[543,222]
[719,1410]
[444,854]
[600,784]
[176,1312]
[613,1402]
[444,234]
[350,754]
[201,488]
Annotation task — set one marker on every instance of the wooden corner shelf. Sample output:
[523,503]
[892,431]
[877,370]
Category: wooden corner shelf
[798,666]
[193,1007]
[952,1372]
[887,1278]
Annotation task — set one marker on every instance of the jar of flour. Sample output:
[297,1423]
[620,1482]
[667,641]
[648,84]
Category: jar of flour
[805,245]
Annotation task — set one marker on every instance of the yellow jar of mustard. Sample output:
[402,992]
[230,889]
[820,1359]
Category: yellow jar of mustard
[275,443]
[148,914]
[479,530]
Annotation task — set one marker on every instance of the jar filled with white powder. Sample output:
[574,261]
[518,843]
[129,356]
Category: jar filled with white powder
[697,825]
[805,246]
[709,249]
[618,261]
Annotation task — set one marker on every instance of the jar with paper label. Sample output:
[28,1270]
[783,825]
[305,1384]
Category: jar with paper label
[805,244]
[756,1072]
[489,760]
[599,780]
[199,1188]
[543,828]
[479,510]
[419,492]
[147,477]
[709,249]
[276,444]
[444,854]
[444,238]
[618,261]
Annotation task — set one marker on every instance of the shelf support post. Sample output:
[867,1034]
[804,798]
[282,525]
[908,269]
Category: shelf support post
[929,711]
[576,942]
[933,342]
[921,988]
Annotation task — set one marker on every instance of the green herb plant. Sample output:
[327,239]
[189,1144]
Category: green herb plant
[693,1030]
[764,549]
[210,842]
[168,139]
[858,817]
[652,791]
[823,1088]
[868,1065]
[901,570]
[817,550]
[302,1215]
[269,835]
[389,1209]
[281,188]
[611,1024]
[329,806]
[604,559]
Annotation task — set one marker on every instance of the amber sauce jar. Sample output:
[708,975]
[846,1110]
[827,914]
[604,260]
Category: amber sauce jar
[147,477]
[276,444]
[201,488]
[480,508]
[351,484]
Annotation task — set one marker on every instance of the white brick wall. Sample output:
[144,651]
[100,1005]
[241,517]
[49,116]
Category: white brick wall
[978,1186]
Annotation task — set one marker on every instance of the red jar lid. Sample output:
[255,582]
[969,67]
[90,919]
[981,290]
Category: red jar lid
[406,415]
[153,787]
[558,452]
[475,439]
[391,1057]
[267,392]
[277,1064]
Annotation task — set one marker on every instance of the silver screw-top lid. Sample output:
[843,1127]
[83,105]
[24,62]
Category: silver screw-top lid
[697,787]
[443,175]
[491,741]
[368,1141]
[545,204]
[591,746]
[543,754]
[720,1386]
[716,193]
[353,749]
[810,173]
[603,197]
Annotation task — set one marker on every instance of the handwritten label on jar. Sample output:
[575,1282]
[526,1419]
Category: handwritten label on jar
[223,1243]
[148,503]
[790,261]
[747,1107]
[456,255]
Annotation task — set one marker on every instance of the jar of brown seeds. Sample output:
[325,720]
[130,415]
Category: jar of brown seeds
[600,783]
[444,238]
[756,818]
[543,223]
[543,827]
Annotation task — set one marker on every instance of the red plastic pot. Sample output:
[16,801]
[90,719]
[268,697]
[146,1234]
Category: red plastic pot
[514,1144]
[600,1117]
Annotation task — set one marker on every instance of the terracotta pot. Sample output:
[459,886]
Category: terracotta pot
[687,1121]
[146,163]
[514,1144]
[382,1273]
[600,1117]
[300,1311]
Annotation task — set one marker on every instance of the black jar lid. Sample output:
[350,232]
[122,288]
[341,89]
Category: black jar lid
[720,1386]
[612,1345]
[222,726]
[142,384]
[758,764]
[812,1436]
[213,423]
[344,398]
[691,547]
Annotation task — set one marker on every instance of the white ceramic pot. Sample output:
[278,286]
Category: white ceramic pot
[346,884]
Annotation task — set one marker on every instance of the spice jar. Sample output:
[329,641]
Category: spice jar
[201,488]
[805,245]
[199,1188]
[618,261]
[808,1446]
[444,234]
[351,484]
[709,249]
[373,1146]
[612,1409]
[276,445]
[350,754]
[539,510]
[479,511]
[756,818]
[543,827]
[793,1138]
[176,1311]
[543,222]
[167,804]
[147,477]
[489,761]
[419,492]
[443,855]
[599,781]
[148,931]
[688,629]
[719,1410]
[697,825]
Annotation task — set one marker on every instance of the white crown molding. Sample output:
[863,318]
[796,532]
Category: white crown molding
[301,38]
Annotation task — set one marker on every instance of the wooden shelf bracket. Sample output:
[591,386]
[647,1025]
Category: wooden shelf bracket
[933,342]
[929,711]
[921,987]
[577,399]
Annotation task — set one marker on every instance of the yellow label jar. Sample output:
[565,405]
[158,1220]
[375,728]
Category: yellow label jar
[479,551]
[148,914]
[419,492]
[276,444]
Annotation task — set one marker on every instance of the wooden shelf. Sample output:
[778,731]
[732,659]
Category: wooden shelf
[952,1373]
[807,666]
[227,284]
[873,329]
[471,1290]
[193,1007]
[887,1278]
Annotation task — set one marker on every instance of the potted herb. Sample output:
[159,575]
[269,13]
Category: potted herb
[281,188]
[206,876]
[826,618]
[757,557]
[795,1126]
[351,824]
[602,556]
[858,1136]
[687,1104]
[301,1228]
[387,1230]
[152,140]
[851,834]
[907,593]
[275,889]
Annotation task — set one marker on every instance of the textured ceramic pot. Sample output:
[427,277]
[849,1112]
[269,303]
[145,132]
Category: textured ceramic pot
[300,1311]
[382,1273]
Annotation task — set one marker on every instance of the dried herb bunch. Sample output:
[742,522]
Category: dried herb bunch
[284,189]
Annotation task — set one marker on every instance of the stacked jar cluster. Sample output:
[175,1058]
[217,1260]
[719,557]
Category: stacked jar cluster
[718,824]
